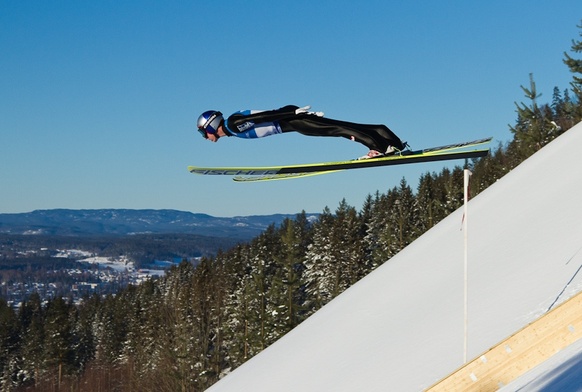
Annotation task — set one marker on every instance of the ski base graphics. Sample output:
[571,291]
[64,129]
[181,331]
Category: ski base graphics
[446,152]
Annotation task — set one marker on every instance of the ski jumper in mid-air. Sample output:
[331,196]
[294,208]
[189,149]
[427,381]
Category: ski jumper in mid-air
[251,124]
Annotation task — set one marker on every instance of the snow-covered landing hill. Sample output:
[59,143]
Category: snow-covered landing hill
[401,328]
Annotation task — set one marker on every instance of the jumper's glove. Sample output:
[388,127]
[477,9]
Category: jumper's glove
[305,110]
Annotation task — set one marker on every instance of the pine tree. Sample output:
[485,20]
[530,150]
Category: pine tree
[378,236]
[563,110]
[375,213]
[426,202]
[454,190]
[58,353]
[336,257]
[535,124]
[152,333]
[349,245]
[491,168]
[402,219]
[575,66]
[179,351]
[318,264]
[32,336]
[239,317]
[83,333]
[9,327]
[265,266]
[111,329]
[218,293]
[235,312]
[287,294]
[206,313]
[366,232]
[255,313]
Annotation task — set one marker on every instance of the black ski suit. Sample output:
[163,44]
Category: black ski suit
[254,124]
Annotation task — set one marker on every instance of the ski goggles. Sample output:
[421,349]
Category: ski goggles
[203,133]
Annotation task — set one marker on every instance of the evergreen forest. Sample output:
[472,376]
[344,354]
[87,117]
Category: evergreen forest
[186,330]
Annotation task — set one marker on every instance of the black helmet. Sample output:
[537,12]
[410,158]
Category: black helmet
[209,121]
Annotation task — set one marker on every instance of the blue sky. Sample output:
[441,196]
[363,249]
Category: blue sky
[99,100]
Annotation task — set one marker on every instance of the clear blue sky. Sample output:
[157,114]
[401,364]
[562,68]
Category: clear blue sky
[99,99]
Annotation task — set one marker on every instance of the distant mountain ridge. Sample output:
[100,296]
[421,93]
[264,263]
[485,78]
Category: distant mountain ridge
[127,221]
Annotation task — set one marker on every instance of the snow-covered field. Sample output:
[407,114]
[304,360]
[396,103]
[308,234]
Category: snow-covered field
[119,265]
[116,264]
[401,328]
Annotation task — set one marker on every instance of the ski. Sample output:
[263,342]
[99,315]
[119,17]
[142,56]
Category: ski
[341,166]
[446,152]
[273,177]
[456,146]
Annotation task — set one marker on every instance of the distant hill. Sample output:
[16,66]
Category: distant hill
[126,222]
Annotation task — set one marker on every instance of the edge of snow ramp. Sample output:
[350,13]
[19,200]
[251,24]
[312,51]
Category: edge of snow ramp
[519,353]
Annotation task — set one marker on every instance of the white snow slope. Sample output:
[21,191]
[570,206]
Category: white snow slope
[401,328]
